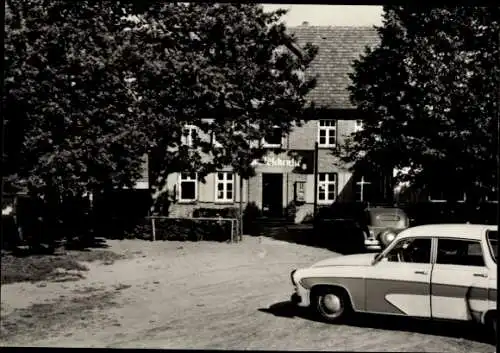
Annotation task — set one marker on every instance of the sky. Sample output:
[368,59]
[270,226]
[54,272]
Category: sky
[330,15]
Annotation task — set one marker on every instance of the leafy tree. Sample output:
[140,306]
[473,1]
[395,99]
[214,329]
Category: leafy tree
[92,87]
[68,107]
[70,126]
[429,94]
[229,69]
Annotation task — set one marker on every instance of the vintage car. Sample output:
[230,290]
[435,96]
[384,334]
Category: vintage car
[439,271]
[361,229]
[381,226]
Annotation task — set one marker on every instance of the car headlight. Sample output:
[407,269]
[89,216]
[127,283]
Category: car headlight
[291,276]
[387,237]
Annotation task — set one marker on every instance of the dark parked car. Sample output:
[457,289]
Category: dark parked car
[355,228]
[381,226]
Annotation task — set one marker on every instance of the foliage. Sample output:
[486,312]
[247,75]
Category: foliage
[43,268]
[92,87]
[429,94]
[221,68]
[226,212]
[68,120]
[250,215]
[188,229]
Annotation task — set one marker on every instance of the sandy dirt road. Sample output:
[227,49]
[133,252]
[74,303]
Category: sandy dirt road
[204,295]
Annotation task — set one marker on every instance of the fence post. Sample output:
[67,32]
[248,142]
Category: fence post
[232,229]
[154,229]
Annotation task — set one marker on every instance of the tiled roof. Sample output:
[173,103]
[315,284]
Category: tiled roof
[338,47]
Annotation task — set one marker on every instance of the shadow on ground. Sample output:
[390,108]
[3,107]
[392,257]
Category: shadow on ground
[338,242]
[466,331]
[87,244]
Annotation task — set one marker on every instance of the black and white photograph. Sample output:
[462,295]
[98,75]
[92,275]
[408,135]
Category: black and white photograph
[250,176]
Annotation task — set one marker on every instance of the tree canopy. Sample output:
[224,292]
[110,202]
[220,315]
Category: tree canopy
[429,96]
[92,87]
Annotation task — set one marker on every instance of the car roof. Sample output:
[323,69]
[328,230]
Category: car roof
[384,210]
[454,230]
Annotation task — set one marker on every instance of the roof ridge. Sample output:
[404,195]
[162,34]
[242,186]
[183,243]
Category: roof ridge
[334,26]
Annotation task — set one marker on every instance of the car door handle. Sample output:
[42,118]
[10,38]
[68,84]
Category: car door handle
[484,275]
[421,272]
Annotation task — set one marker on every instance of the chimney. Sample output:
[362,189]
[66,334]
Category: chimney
[305,23]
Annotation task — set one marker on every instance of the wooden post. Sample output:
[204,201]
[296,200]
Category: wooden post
[154,229]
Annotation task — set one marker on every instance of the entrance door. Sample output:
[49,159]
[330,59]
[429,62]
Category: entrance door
[272,195]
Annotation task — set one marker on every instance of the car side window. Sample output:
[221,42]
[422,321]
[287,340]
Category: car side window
[411,251]
[460,252]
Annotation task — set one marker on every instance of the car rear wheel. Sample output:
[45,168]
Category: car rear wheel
[331,304]
[491,323]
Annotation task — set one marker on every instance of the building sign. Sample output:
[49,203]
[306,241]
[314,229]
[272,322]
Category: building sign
[279,162]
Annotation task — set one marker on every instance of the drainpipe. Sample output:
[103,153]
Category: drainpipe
[241,208]
[315,207]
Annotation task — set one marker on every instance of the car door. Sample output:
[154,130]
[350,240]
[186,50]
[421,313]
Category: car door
[460,280]
[399,283]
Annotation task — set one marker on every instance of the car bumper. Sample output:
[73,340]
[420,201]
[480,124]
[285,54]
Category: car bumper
[300,297]
[372,244]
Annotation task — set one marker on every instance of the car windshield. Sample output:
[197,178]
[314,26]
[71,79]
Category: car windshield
[493,243]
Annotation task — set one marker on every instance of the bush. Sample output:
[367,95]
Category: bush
[226,212]
[250,216]
[182,230]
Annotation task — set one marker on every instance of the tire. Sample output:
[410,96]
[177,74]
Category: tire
[331,305]
[491,324]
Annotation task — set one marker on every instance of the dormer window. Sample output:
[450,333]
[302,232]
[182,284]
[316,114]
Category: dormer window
[187,135]
[358,125]
[274,139]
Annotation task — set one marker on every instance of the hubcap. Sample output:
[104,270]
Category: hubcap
[332,303]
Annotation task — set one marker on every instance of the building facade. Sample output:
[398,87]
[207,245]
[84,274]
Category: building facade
[284,178]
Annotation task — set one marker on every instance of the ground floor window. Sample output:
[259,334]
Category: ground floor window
[224,187]
[188,187]
[327,185]
[362,188]
[492,195]
[437,195]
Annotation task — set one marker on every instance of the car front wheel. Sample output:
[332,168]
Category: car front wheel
[331,304]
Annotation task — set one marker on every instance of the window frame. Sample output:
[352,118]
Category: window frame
[396,243]
[265,144]
[490,246]
[358,125]
[486,198]
[459,239]
[225,182]
[188,180]
[359,189]
[326,183]
[430,199]
[188,140]
[328,130]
